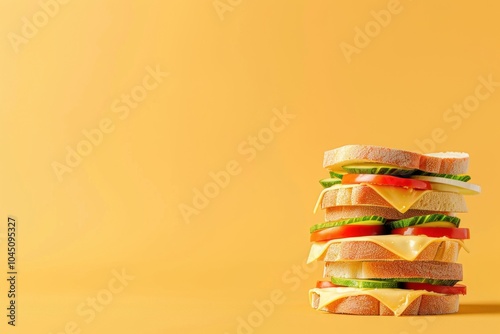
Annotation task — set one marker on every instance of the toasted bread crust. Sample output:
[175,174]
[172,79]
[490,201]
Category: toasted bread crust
[350,211]
[394,269]
[364,195]
[447,163]
[445,251]
[368,305]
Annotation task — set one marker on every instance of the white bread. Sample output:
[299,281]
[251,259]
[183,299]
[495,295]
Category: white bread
[446,251]
[368,305]
[447,162]
[364,195]
[394,269]
[350,211]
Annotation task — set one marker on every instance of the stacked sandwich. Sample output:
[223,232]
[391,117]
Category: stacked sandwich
[391,237]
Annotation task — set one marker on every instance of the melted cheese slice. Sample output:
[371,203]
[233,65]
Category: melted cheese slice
[397,300]
[405,246]
[399,198]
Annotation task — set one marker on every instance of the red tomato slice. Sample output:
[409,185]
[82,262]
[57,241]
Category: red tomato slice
[346,231]
[448,290]
[386,180]
[326,284]
[434,232]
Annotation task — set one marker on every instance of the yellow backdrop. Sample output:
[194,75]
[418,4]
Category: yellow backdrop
[161,158]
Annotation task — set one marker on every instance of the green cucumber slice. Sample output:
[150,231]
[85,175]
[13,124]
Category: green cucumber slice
[463,178]
[327,183]
[336,175]
[418,220]
[378,169]
[447,282]
[365,283]
[366,220]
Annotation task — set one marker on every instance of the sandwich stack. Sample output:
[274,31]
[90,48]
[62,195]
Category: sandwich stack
[391,236]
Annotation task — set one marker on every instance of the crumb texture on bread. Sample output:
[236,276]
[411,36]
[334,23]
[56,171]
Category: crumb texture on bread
[361,195]
[442,162]
[381,248]
[394,269]
[370,153]
[424,304]
[446,251]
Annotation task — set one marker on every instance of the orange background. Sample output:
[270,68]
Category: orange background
[229,73]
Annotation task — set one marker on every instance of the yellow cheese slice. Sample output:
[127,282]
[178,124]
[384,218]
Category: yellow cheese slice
[407,247]
[397,300]
[399,197]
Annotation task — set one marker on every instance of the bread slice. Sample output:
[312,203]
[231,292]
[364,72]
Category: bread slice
[364,195]
[445,251]
[394,269]
[335,213]
[368,305]
[446,162]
